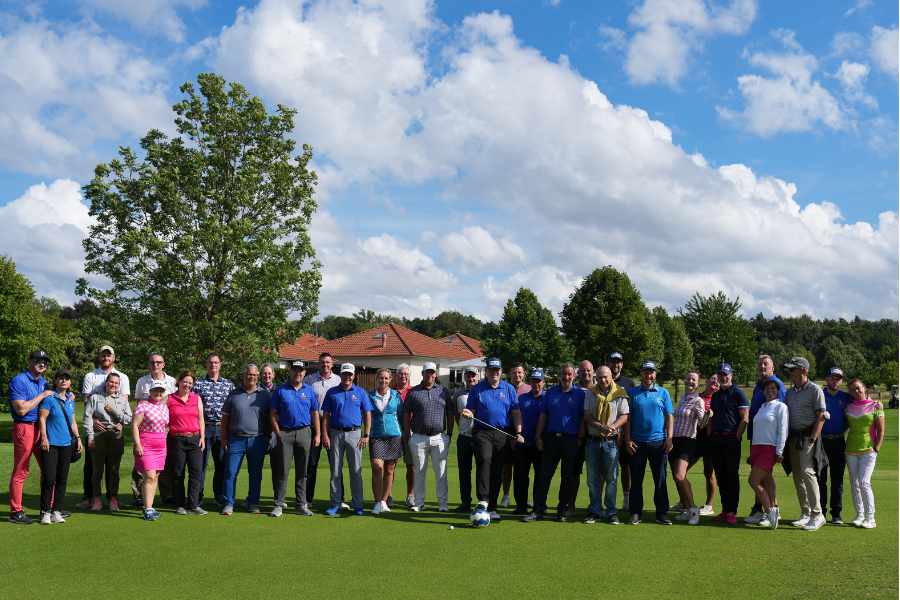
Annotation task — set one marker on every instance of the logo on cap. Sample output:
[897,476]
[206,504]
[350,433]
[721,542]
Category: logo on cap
[836,371]
[615,356]
[648,365]
[298,364]
[537,374]
[725,368]
[157,385]
[348,368]
[493,363]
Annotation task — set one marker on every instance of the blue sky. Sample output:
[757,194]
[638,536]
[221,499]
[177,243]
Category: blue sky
[469,148]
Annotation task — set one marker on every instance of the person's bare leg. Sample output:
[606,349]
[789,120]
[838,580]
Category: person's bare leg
[685,493]
[756,482]
[388,481]
[377,478]
[710,476]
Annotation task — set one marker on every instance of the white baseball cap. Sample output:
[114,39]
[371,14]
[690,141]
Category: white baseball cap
[429,366]
[348,368]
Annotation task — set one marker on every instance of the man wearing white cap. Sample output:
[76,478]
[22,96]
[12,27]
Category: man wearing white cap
[347,418]
[427,418]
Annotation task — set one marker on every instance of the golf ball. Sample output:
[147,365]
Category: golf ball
[451,528]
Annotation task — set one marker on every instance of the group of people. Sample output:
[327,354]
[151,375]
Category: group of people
[515,429]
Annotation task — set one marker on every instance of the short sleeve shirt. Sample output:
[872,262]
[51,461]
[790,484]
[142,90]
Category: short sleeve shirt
[531,409]
[346,407]
[430,409]
[156,416]
[24,386]
[59,418]
[649,407]
[802,403]
[726,406]
[142,387]
[248,412]
[618,405]
[835,404]
[213,393]
[295,406]
[320,384]
[564,409]
[492,405]
[95,382]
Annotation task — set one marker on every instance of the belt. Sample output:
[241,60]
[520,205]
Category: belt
[295,428]
[427,433]
[560,434]
[346,428]
[833,436]
[191,434]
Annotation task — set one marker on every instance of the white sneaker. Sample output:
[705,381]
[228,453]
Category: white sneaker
[772,517]
[815,523]
[414,508]
[376,510]
[45,518]
[684,516]
[504,502]
[764,523]
[858,521]
[868,524]
[754,518]
[56,517]
[693,516]
[345,506]
[385,507]
[410,501]
[801,522]
[707,510]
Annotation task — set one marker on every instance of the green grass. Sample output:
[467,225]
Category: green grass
[416,555]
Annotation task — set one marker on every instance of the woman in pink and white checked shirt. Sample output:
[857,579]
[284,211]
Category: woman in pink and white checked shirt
[689,415]
[149,428]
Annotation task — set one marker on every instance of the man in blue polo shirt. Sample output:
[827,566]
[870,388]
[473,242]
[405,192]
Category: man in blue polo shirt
[834,443]
[527,456]
[345,409]
[648,438]
[765,369]
[295,421]
[494,406]
[560,429]
[26,392]
[731,413]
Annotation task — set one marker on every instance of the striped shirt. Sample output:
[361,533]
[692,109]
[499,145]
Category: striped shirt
[688,414]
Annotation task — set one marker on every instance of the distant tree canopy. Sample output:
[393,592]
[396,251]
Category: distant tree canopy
[528,334]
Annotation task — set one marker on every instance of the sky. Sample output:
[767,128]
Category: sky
[466,149]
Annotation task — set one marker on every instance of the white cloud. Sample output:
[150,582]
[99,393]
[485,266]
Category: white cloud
[42,231]
[883,49]
[847,42]
[152,16]
[791,99]
[64,88]
[670,32]
[859,5]
[476,246]
[852,76]
[612,38]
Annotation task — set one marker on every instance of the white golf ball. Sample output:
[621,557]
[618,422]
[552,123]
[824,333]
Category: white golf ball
[451,528]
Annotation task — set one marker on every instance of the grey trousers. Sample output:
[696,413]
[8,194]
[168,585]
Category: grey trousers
[344,443]
[293,446]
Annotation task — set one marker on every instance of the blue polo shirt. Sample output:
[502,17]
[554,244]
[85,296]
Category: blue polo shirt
[649,407]
[294,407]
[346,407]
[493,405]
[564,410]
[759,398]
[835,405]
[25,386]
[59,417]
[531,409]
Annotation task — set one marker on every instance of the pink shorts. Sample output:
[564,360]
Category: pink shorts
[762,456]
[154,458]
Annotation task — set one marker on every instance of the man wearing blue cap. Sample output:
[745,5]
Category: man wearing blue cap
[731,413]
[527,456]
[494,407]
[648,438]
[834,443]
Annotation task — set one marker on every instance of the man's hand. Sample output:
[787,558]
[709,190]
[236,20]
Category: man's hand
[326,442]
[539,443]
[90,443]
[466,413]
[363,442]
[667,445]
[631,447]
[99,426]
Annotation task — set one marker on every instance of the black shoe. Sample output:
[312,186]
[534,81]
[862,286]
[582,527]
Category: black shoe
[663,521]
[561,518]
[520,511]
[533,517]
[65,514]
[591,519]
[20,518]
[463,508]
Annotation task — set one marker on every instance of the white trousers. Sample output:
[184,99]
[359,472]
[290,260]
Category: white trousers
[861,467]
[436,447]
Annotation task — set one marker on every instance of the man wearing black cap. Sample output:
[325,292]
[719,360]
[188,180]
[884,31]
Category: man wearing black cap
[494,406]
[834,443]
[731,413]
[26,392]
[465,448]
[615,361]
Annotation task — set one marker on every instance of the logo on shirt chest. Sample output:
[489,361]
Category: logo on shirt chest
[501,395]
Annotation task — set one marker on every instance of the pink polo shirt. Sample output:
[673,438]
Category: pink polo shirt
[184,416]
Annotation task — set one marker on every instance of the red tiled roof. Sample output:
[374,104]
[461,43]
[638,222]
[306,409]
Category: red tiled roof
[307,347]
[397,341]
[463,341]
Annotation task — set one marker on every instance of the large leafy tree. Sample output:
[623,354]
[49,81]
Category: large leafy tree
[204,239]
[606,313]
[719,333]
[527,333]
[678,356]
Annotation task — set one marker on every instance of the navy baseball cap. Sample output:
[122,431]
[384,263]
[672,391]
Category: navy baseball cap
[494,363]
[836,372]
[537,373]
[648,365]
[615,356]
[725,368]
[298,364]
[38,356]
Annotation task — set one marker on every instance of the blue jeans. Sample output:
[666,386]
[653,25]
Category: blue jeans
[255,449]
[602,472]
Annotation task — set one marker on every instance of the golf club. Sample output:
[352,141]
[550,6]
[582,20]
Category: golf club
[492,427]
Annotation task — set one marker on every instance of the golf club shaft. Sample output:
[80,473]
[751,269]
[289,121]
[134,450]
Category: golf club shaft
[474,418]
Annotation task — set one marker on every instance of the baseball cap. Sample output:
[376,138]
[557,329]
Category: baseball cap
[725,368]
[648,365]
[106,348]
[471,370]
[615,356]
[348,368]
[298,364]
[157,385]
[797,362]
[39,355]
[62,373]
[429,366]
[537,373]
[836,371]
[494,363]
